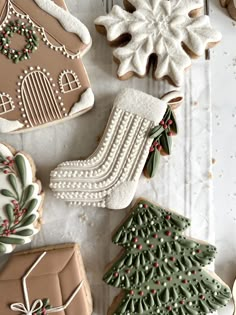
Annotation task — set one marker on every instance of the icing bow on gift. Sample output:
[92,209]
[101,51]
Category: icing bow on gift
[38,304]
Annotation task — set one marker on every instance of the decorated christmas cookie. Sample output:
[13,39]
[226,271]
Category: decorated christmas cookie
[109,177]
[45,281]
[43,79]
[231,6]
[21,199]
[160,271]
[161,33]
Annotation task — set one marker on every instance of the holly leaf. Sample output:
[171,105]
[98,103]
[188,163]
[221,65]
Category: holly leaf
[152,163]
[166,143]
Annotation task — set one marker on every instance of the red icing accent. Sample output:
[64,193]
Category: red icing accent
[141,293]
[168,233]
[128,271]
[155,236]
[172,258]
[153,291]
[169,308]
[158,282]
[168,217]
[151,246]
[185,281]
[139,246]
[116,274]
[156,265]
[135,240]
[202,297]
[145,206]
[198,251]
[194,272]
[182,302]
[131,292]
[169,279]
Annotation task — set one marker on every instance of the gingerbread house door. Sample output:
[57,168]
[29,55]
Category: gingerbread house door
[38,99]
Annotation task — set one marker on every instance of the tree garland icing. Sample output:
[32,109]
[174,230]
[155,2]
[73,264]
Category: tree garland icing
[18,27]
[162,141]
[160,270]
[20,200]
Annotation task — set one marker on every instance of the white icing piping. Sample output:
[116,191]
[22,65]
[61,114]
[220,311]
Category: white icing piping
[38,304]
[68,21]
[86,101]
[64,81]
[6,103]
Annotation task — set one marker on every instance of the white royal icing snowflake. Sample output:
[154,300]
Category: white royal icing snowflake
[160,27]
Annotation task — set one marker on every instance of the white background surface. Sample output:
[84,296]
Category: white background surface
[223,68]
[102,74]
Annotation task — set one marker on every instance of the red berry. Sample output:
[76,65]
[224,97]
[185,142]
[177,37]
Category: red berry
[194,272]
[162,122]
[131,292]
[158,282]
[182,302]
[135,240]
[168,233]
[116,274]
[165,126]
[156,265]
[5,172]
[153,291]
[199,251]
[172,258]
[141,293]
[151,149]
[168,217]
[202,297]
[169,279]
[170,122]
[185,281]
[145,206]
[139,246]
[128,271]
[159,147]
[155,236]
[151,246]
[155,143]
[169,308]
[170,134]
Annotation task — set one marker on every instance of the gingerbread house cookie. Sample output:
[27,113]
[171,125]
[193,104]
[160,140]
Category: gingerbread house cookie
[43,79]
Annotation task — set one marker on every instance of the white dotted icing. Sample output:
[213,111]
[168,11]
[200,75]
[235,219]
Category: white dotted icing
[118,160]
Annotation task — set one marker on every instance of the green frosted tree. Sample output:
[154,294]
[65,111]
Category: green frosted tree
[160,271]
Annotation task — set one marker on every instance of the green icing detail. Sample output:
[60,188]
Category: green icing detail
[162,141]
[20,28]
[160,270]
[20,204]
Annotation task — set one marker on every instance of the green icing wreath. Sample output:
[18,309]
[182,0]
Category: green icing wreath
[23,29]
[20,210]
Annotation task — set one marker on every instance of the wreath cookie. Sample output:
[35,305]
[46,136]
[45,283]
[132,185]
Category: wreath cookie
[21,199]
[162,33]
[161,271]
[231,7]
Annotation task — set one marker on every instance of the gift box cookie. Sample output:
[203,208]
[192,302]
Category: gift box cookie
[46,280]
[43,78]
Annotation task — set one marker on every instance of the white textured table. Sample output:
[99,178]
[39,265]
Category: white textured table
[183,182]
[223,68]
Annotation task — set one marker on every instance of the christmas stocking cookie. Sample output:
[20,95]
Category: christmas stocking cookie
[21,199]
[110,176]
[160,271]
[43,80]
[231,7]
[162,33]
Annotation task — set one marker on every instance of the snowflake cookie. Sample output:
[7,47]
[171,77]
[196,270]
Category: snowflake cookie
[21,199]
[162,33]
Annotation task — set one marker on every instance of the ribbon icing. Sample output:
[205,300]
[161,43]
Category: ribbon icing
[26,308]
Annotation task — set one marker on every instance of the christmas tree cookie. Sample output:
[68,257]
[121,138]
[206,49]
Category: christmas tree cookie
[21,199]
[160,271]
[43,78]
[160,33]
